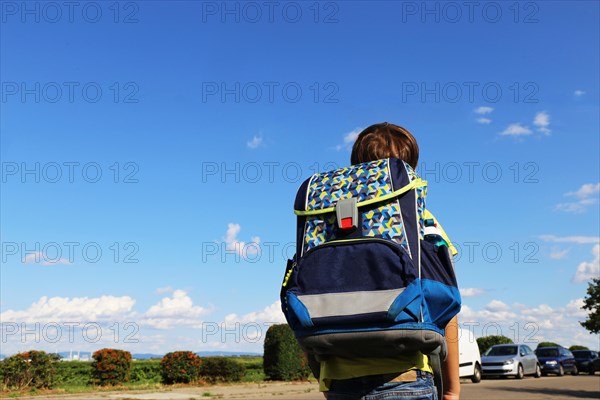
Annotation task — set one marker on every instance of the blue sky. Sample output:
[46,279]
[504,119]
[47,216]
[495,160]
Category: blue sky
[172,137]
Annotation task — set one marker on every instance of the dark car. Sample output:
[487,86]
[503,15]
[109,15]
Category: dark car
[556,360]
[587,361]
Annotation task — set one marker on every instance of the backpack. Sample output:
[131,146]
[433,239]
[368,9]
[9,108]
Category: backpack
[364,282]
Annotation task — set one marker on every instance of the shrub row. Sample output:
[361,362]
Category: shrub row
[283,360]
[36,369]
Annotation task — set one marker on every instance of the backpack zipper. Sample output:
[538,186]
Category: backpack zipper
[342,242]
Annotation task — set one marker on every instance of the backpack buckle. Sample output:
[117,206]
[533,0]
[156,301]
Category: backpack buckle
[347,213]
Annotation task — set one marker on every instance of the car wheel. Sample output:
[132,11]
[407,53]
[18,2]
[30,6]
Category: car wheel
[520,373]
[476,378]
[561,370]
[575,370]
[538,371]
[591,371]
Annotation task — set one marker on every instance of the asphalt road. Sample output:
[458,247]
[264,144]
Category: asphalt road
[551,387]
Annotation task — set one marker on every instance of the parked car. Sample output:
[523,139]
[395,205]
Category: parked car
[517,360]
[468,356]
[587,361]
[556,360]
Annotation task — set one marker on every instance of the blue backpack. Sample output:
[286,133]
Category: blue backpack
[364,281]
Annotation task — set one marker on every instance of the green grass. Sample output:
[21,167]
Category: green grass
[254,368]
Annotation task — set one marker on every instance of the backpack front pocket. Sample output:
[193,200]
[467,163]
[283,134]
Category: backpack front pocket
[355,281]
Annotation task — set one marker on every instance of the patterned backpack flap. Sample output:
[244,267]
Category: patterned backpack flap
[376,186]
[355,287]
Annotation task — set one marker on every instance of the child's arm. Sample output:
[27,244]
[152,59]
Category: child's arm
[450,374]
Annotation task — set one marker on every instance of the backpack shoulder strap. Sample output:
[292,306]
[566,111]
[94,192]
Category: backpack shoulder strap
[435,359]
[436,365]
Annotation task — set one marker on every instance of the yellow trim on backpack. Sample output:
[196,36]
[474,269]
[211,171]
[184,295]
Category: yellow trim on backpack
[414,184]
[287,277]
[427,215]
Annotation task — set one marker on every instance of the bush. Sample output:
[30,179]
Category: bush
[180,367]
[222,369]
[34,369]
[577,347]
[486,342]
[111,367]
[548,344]
[283,358]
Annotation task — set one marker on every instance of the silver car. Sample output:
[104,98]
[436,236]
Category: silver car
[517,360]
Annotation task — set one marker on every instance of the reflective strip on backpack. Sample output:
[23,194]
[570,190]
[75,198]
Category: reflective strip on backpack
[349,303]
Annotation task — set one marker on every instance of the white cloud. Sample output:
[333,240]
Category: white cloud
[113,318]
[248,251]
[176,311]
[541,310]
[575,308]
[588,269]
[269,314]
[483,110]
[578,93]
[586,190]
[559,254]
[255,142]
[87,324]
[178,305]
[471,292]
[495,310]
[577,206]
[76,309]
[163,290]
[252,327]
[530,324]
[45,259]
[586,195]
[542,121]
[485,121]
[516,130]
[497,305]
[570,239]
[349,139]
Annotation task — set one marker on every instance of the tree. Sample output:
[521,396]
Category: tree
[486,342]
[577,347]
[283,359]
[592,304]
[548,344]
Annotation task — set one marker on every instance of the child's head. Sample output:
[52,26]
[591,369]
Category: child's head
[383,141]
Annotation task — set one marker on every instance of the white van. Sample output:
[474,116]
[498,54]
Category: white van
[469,358]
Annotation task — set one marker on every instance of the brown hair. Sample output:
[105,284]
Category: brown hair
[385,140]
